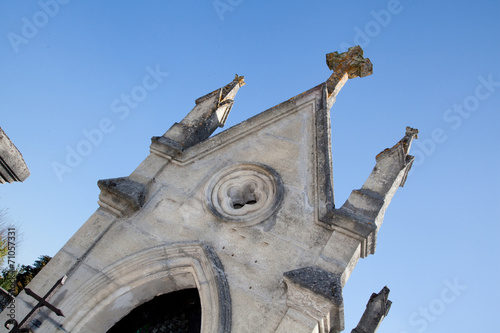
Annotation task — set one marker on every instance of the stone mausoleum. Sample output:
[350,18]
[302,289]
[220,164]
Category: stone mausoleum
[232,233]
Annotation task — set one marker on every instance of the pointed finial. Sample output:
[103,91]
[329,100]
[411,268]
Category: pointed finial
[411,133]
[240,80]
[376,310]
[209,113]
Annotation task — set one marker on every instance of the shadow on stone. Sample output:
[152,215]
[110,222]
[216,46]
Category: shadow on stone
[178,312]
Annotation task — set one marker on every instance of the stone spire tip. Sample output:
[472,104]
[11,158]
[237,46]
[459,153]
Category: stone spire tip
[240,80]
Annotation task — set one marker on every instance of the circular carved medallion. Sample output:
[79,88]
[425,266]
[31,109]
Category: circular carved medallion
[245,193]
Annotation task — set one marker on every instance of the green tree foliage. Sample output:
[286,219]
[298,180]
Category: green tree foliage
[14,280]
[8,278]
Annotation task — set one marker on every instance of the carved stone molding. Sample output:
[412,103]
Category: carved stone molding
[317,294]
[245,194]
[121,196]
[111,294]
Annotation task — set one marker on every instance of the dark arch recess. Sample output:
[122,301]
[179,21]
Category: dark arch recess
[178,312]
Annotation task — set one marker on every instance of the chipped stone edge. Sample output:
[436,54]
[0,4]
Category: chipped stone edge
[121,196]
[325,302]
[225,314]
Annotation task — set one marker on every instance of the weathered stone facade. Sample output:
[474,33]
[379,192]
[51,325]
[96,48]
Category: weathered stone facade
[247,217]
[12,165]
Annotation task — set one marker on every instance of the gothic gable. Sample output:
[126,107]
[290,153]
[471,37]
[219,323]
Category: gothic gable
[247,217]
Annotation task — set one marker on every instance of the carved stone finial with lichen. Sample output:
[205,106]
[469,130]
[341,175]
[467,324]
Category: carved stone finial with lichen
[347,65]
[350,62]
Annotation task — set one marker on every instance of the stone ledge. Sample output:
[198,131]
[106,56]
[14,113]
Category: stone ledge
[317,294]
[319,281]
[165,147]
[121,196]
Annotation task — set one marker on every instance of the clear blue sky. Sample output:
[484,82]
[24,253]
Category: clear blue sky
[64,68]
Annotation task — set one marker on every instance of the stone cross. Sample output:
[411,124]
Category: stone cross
[42,301]
[347,65]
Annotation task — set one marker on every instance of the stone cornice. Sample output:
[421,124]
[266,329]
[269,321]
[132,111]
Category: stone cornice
[121,196]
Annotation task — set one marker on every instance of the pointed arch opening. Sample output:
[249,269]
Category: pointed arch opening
[138,279]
